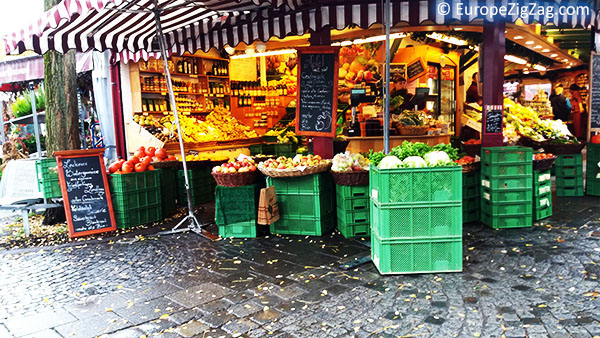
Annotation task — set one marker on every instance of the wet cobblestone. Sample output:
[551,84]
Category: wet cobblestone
[538,282]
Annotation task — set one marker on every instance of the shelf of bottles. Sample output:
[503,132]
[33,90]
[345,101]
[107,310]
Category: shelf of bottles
[252,94]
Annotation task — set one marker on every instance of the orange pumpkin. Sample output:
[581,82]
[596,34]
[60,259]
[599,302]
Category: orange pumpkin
[596,139]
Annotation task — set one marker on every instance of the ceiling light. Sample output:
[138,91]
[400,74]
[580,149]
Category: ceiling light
[539,67]
[369,39]
[545,50]
[565,60]
[568,67]
[458,28]
[230,50]
[553,55]
[537,47]
[514,59]
[518,37]
[250,51]
[529,43]
[447,39]
[261,47]
[273,52]
[525,72]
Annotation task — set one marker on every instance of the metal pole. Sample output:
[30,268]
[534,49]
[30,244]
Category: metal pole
[386,88]
[195,225]
[36,128]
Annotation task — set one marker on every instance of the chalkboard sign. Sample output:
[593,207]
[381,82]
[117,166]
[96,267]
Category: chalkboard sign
[415,69]
[84,186]
[397,70]
[316,101]
[493,119]
[594,121]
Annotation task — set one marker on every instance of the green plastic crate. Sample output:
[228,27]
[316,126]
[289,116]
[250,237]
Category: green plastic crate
[129,218]
[135,199]
[425,220]
[393,256]
[200,193]
[508,182]
[539,214]
[270,138]
[352,198]
[471,179]
[303,225]
[352,230]
[542,189]
[409,185]
[120,183]
[471,210]
[269,148]
[569,191]
[569,171]
[247,229]
[292,205]
[542,201]
[569,160]
[507,221]
[352,191]
[195,175]
[506,195]
[569,182]
[351,217]
[47,178]
[285,149]
[168,190]
[514,154]
[541,178]
[506,208]
[236,205]
[470,192]
[255,149]
[506,169]
[593,188]
[593,153]
[305,185]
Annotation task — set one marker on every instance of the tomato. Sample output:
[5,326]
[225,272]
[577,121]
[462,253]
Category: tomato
[135,159]
[142,148]
[171,158]
[127,167]
[595,139]
[150,151]
[146,160]
[115,166]
[140,153]
[150,167]
[161,153]
[139,167]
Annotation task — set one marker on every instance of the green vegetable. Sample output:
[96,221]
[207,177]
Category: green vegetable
[448,149]
[376,157]
[408,149]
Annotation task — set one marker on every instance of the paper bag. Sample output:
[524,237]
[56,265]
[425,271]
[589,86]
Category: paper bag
[268,212]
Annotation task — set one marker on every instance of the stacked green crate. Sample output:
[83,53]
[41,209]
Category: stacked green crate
[471,197]
[416,219]
[506,187]
[236,210]
[47,176]
[255,149]
[306,205]
[285,149]
[353,210]
[542,194]
[168,190]
[136,198]
[592,169]
[202,186]
[569,175]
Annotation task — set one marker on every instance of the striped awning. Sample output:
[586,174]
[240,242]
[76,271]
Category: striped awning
[127,26]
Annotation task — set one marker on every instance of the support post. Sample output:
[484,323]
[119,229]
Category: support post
[492,57]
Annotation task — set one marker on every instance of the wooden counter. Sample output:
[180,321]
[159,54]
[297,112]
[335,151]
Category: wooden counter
[364,144]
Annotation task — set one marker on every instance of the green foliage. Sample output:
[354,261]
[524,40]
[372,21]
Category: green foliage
[375,157]
[408,149]
[22,106]
[448,149]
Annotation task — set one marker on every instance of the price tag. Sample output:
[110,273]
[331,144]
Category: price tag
[374,194]
[485,183]
[486,195]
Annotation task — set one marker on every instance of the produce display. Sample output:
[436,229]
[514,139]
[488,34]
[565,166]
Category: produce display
[240,166]
[283,163]
[415,155]
[140,161]
[465,160]
[473,141]
[357,65]
[345,162]
[542,156]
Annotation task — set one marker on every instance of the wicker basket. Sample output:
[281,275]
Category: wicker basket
[472,149]
[412,130]
[235,179]
[294,172]
[527,142]
[360,177]
[545,164]
[564,149]
[471,167]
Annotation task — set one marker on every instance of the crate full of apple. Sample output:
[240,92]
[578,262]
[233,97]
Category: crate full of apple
[236,173]
[300,165]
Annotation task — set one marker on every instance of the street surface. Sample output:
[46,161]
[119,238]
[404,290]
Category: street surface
[538,282]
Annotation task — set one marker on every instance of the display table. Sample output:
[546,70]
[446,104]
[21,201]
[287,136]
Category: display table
[364,144]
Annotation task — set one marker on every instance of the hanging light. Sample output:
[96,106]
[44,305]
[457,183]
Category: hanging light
[514,59]
[261,47]
[230,50]
[445,38]
[273,52]
[539,67]
[369,39]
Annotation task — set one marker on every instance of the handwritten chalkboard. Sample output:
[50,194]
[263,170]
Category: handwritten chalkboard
[415,69]
[88,206]
[493,119]
[316,103]
[397,70]
[595,93]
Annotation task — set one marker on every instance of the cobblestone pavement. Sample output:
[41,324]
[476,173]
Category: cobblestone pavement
[538,282]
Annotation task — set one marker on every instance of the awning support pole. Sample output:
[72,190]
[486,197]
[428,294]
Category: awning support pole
[386,88]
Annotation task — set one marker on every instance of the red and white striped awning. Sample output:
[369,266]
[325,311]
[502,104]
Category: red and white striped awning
[127,26]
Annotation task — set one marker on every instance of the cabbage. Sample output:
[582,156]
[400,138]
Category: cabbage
[437,159]
[390,162]
[414,162]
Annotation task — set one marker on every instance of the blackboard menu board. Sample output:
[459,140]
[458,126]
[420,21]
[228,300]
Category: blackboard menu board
[83,181]
[493,119]
[415,69]
[595,93]
[316,103]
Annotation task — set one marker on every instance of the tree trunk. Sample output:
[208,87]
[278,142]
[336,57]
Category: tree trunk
[62,116]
